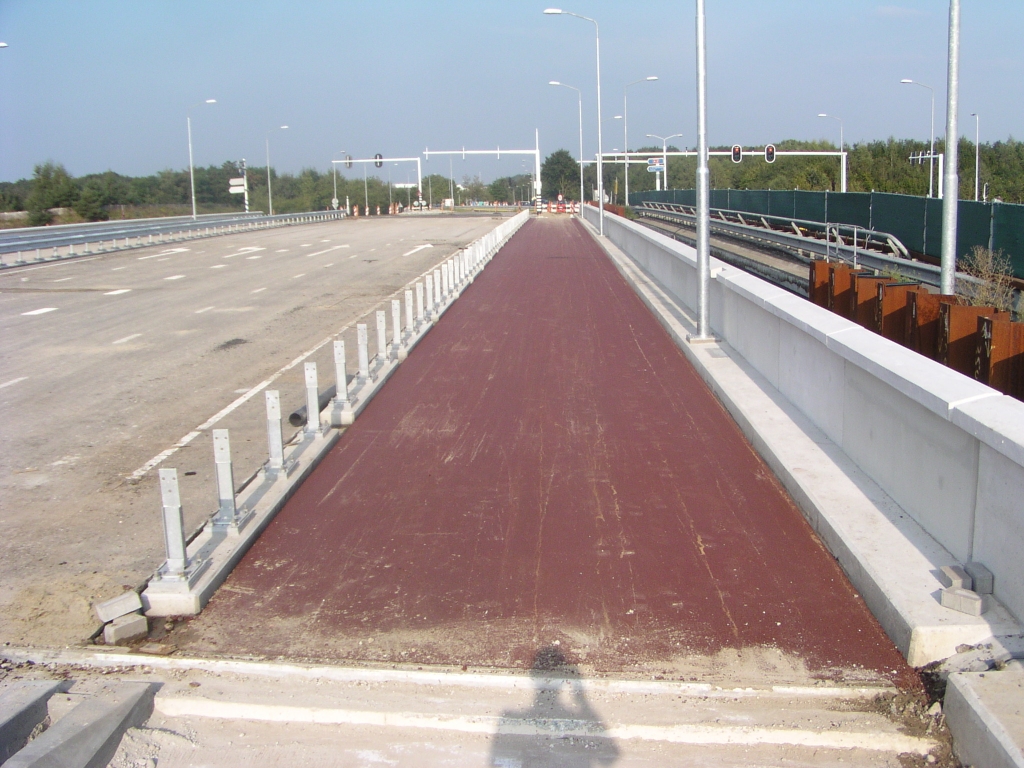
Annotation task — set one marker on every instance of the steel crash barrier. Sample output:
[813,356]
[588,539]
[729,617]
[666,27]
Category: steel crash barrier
[37,244]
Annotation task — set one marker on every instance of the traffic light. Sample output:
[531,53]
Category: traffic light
[737,153]
[769,153]
[378,160]
[348,161]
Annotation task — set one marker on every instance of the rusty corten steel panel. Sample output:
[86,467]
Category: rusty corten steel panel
[922,317]
[865,296]
[891,310]
[840,289]
[1000,358]
[817,282]
[958,335]
[546,465]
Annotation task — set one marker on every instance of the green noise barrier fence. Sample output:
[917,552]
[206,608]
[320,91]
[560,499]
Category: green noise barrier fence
[916,221]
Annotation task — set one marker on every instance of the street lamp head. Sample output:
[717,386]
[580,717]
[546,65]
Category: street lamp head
[283,127]
[3,45]
[553,82]
[552,10]
[822,114]
[211,101]
[617,117]
[653,77]
[907,81]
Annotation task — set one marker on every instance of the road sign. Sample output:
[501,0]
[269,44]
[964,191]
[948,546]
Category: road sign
[737,153]
[769,153]
[236,190]
[240,181]
[348,161]
[379,158]
[334,203]
[657,161]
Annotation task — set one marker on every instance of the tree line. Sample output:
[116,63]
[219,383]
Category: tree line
[883,166]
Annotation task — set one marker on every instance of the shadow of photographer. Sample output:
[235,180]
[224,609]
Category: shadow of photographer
[559,728]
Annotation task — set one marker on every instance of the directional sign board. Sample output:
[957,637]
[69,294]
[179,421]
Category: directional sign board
[237,185]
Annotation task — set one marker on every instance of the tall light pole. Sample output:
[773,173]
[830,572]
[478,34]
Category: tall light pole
[270,193]
[842,157]
[664,150]
[334,167]
[191,172]
[977,153]
[951,197]
[703,189]
[600,147]
[579,94]
[625,125]
[931,145]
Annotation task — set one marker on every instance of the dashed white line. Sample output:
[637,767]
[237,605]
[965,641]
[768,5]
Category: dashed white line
[118,292]
[283,250]
[254,257]
[204,309]
[417,248]
[41,311]
[259,289]
[301,274]
[325,250]
[305,245]
[174,277]
[127,338]
[218,266]
[329,265]
[12,382]
[163,253]
[63,279]
[115,269]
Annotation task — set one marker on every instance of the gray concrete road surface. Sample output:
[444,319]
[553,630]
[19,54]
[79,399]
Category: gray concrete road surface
[107,362]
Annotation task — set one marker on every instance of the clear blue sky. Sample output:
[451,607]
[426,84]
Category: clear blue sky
[105,84]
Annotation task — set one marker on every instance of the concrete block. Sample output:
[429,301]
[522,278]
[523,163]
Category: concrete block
[89,735]
[124,629]
[985,714]
[109,610]
[22,708]
[981,578]
[955,577]
[962,600]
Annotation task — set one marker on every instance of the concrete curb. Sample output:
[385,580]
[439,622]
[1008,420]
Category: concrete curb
[22,708]
[88,736]
[985,714]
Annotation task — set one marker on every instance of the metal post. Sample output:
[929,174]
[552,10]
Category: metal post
[703,187]
[952,179]
[429,306]
[270,193]
[396,323]
[174,526]
[312,401]
[444,279]
[227,514]
[408,311]
[191,173]
[437,287]
[977,153]
[275,442]
[382,337]
[419,300]
[340,374]
[362,347]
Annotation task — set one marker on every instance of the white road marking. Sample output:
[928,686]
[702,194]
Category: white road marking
[218,266]
[690,733]
[417,248]
[163,259]
[115,269]
[166,252]
[259,289]
[12,382]
[325,250]
[243,251]
[225,411]
[42,311]
[325,241]
[127,338]
[118,292]
[301,274]
[283,250]
[329,265]
[305,245]
[255,257]
[204,309]
[63,279]
[55,264]
[174,277]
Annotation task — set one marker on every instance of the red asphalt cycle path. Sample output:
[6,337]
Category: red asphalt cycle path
[546,464]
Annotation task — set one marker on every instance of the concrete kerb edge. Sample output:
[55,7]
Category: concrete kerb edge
[220,552]
[920,644]
[979,737]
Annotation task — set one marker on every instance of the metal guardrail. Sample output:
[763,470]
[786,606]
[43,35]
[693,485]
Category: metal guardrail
[60,242]
[796,241]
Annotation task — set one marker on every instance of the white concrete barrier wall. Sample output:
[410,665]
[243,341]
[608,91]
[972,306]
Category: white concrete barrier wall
[947,449]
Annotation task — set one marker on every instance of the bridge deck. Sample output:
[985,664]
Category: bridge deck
[545,467]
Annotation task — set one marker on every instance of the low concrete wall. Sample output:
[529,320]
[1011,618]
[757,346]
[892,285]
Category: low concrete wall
[947,449]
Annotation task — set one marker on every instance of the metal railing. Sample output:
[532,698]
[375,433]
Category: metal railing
[71,240]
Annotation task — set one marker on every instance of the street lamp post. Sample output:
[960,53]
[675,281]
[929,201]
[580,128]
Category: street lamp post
[625,126]
[842,157]
[703,189]
[931,145]
[579,94]
[600,148]
[951,197]
[270,193]
[664,150]
[191,172]
[334,167]
[977,153]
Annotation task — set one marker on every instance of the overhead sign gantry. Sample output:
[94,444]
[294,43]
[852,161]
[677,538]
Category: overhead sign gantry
[499,152]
